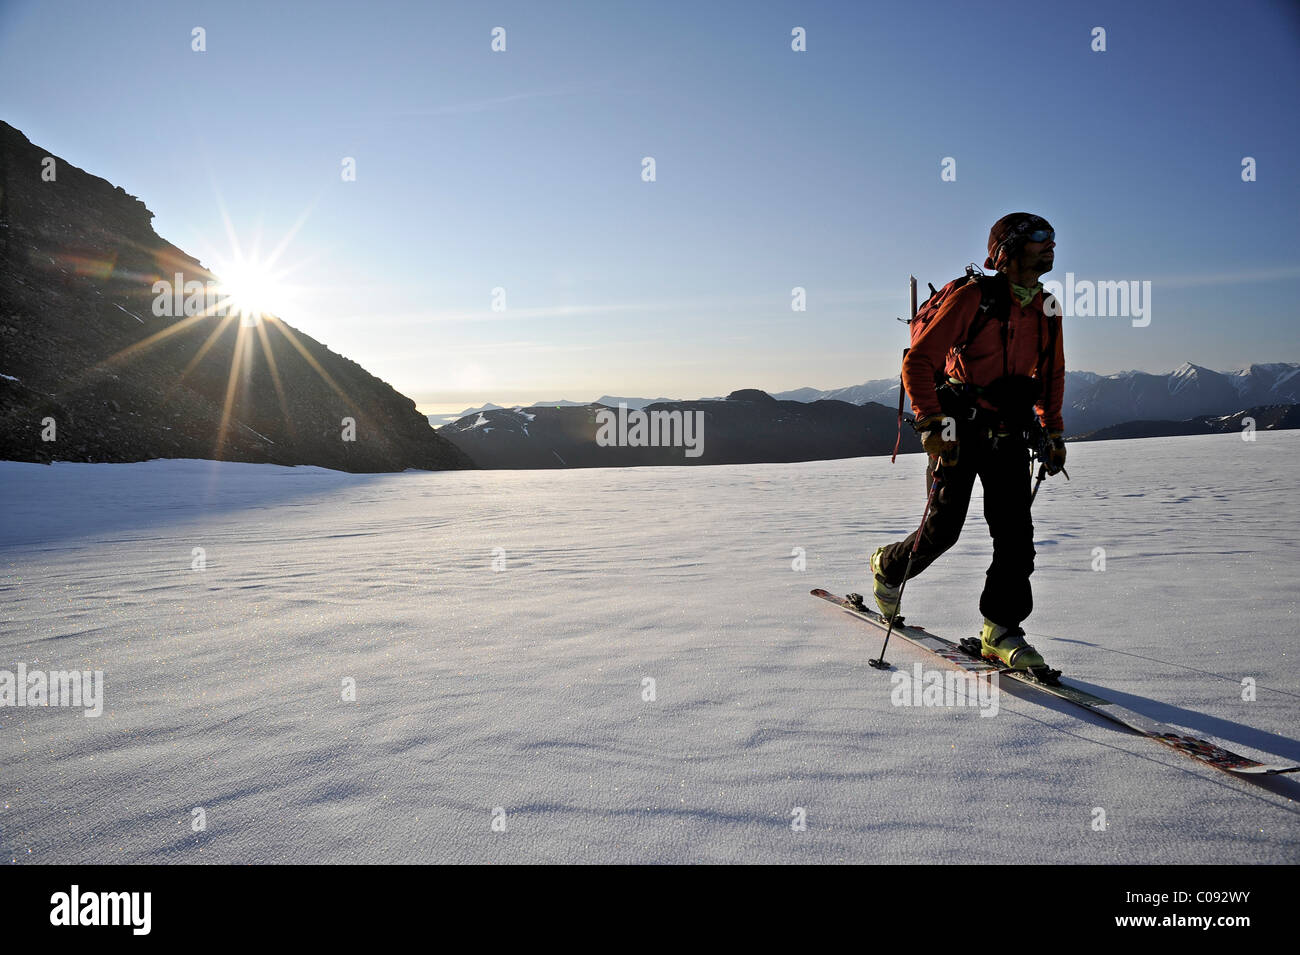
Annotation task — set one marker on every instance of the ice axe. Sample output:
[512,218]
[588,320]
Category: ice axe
[1041,452]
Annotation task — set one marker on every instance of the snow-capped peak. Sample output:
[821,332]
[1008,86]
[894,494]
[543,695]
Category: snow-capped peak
[1184,375]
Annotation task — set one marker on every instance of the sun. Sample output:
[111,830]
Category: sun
[251,290]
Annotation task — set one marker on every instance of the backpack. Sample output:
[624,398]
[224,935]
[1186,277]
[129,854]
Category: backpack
[995,302]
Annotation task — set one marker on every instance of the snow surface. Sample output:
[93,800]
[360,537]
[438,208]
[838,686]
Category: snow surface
[522,689]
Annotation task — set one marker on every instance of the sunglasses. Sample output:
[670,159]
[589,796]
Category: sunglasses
[1040,235]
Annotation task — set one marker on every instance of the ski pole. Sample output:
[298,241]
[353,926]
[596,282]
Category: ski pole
[879,663]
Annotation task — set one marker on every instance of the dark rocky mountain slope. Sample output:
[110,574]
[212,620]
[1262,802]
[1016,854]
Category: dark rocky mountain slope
[80,347]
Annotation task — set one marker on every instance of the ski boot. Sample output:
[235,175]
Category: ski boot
[886,594]
[1007,646]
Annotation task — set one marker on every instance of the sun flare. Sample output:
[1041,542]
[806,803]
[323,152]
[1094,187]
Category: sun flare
[252,291]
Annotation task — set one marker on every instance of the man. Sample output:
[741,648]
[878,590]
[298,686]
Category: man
[975,401]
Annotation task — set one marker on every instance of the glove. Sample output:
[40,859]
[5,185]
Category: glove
[931,429]
[1055,452]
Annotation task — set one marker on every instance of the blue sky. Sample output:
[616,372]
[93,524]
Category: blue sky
[775,169]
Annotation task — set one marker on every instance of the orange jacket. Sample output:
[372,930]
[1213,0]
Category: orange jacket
[981,361]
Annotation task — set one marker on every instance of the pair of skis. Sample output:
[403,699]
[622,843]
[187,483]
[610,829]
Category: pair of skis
[966,657]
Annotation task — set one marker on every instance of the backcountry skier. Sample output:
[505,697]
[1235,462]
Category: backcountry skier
[984,374]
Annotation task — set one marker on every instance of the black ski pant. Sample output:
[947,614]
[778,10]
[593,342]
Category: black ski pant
[1002,465]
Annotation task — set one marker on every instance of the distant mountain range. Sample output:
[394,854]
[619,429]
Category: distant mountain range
[751,426]
[438,420]
[747,426]
[89,373]
[1092,401]
[1095,401]
[1263,418]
